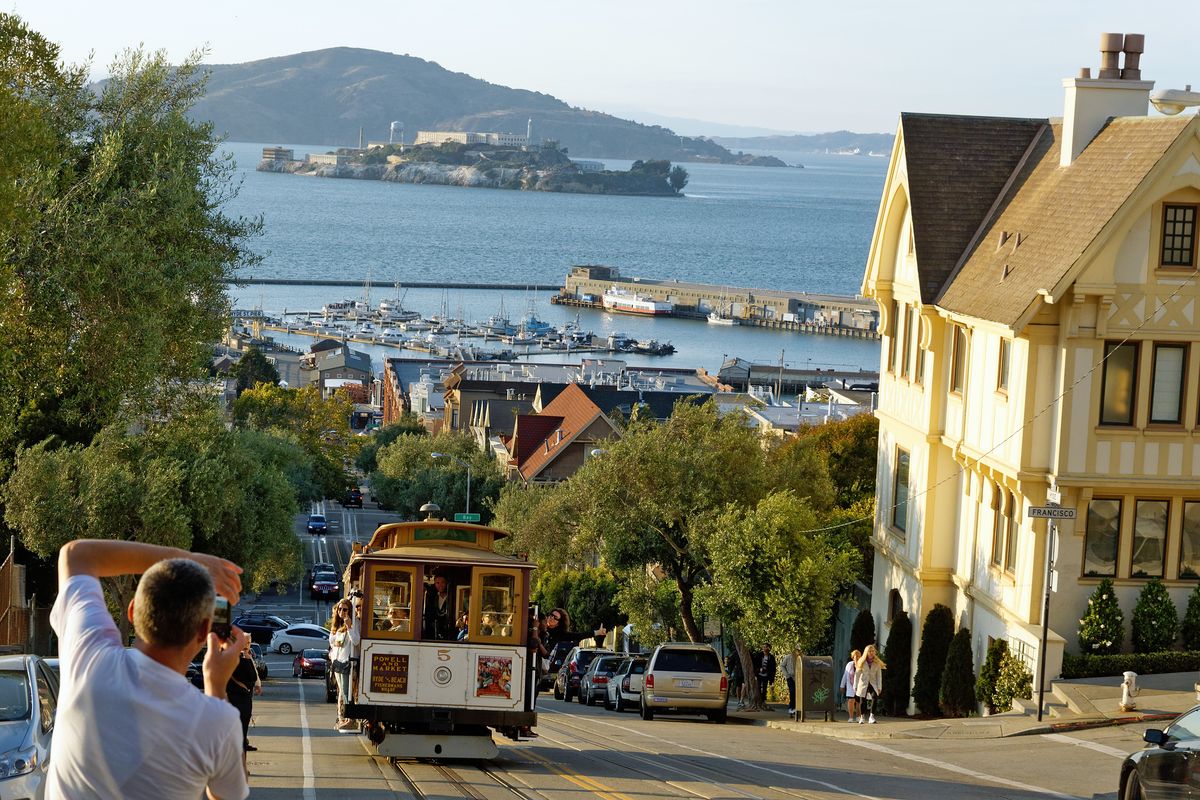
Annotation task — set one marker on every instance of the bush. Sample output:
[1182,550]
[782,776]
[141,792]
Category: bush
[957,693]
[1102,629]
[1191,622]
[1155,619]
[898,656]
[989,676]
[863,632]
[1016,680]
[936,634]
[1086,666]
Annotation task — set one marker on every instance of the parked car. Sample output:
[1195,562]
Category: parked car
[353,499]
[576,662]
[593,686]
[309,664]
[260,663]
[317,525]
[558,654]
[301,636]
[28,701]
[1167,768]
[625,686]
[685,678]
[325,586]
[261,627]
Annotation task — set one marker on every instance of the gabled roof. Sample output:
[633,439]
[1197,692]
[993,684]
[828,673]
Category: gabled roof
[498,412]
[575,412]
[957,166]
[1058,213]
[529,431]
[344,358]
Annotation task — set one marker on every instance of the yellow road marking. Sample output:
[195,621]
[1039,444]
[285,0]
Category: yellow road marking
[591,784]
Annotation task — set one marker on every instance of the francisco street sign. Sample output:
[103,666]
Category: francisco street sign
[475,517]
[1051,512]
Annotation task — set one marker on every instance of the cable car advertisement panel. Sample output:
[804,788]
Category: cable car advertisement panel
[453,676]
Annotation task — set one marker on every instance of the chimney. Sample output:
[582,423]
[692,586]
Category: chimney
[1115,92]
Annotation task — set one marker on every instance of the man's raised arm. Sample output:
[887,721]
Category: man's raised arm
[106,558]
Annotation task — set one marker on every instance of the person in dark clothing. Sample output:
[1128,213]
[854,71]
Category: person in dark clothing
[764,671]
[240,691]
[558,629]
[438,620]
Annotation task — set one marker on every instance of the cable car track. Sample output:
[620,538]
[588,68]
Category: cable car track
[451,776]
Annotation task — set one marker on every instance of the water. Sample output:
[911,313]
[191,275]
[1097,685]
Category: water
[799,229]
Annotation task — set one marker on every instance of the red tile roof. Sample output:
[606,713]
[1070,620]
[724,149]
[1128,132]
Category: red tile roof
[572,412]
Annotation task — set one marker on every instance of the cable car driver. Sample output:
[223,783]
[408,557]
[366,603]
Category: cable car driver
[438,622]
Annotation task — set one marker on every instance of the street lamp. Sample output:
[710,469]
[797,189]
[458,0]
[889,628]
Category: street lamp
[461,463]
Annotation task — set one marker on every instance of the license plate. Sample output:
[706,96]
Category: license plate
[687,683]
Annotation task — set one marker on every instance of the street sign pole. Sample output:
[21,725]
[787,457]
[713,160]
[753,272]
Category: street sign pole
[1050,531]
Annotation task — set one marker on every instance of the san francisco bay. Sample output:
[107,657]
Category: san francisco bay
[799,229]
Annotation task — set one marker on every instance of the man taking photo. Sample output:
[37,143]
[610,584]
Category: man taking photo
[129,724]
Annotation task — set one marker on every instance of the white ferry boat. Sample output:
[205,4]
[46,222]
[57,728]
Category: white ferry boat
[627,302]
[715,318]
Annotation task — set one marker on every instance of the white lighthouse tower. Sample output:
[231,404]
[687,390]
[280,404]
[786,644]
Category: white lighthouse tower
[529,133]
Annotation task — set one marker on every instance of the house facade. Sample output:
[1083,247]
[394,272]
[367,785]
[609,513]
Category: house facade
[1037,283]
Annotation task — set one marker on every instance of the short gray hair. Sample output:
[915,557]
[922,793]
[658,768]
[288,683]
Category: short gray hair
[174,598]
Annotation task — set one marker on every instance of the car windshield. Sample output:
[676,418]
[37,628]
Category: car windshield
[316,518]
[1185,727]
[314,654]
[607,664]
[326,576]
[14,695]
[584,657]
[687,661]
[256,650]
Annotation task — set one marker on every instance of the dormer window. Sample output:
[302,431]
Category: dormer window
[1179,236]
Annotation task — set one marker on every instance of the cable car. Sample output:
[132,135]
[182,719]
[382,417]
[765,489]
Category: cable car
[444,625]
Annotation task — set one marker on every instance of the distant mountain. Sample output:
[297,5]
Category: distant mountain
[812,143]
[697,127]
[325,96]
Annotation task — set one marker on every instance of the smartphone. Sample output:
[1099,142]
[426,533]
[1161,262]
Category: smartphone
[222,618]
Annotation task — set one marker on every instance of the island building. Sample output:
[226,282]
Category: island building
[472,137]
[587,165]
[278,154]
[1037,283]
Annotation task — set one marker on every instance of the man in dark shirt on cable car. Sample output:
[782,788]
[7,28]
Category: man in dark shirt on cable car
[438,622]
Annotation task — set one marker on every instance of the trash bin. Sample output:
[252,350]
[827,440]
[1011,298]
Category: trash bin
[815,687]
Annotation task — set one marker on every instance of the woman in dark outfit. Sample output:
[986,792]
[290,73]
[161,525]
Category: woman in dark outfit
[558,629]
[240,691]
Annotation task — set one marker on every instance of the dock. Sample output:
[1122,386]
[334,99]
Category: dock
[369,284]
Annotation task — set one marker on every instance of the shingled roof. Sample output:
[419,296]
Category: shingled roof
[957,167]
[1057,213]
[574,412]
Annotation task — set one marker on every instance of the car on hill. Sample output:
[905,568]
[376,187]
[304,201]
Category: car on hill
[1167,767]
[325,586]
[260,626]
[625,686]
[28,702]
[309,664]
[317,524]
[685,678]
[301,636]
[593,686]
[353,499]
[566,685]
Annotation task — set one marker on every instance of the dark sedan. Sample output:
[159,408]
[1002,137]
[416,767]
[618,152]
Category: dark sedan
[317,525]
[309,664]
[325,586]
[261,627]
[1167,768]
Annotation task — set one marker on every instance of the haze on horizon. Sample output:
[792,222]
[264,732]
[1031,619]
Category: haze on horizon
[700,67]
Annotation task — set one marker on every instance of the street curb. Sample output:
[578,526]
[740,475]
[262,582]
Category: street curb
[1086,724]
[884,732]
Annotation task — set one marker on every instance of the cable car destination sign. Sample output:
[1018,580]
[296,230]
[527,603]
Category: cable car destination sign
[1051,512]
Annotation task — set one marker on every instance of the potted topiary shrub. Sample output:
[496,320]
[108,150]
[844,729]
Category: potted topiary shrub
[1101,630]
[1155,619]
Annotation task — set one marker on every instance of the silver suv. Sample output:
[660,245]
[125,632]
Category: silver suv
[687,678]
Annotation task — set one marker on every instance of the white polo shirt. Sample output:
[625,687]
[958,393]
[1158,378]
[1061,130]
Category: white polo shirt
[128,726]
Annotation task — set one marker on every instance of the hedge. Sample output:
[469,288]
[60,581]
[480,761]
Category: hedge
[1141,663]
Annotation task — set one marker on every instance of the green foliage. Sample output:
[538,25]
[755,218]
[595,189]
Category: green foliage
[1016,680]
[1102,628]
[989,676]
[652,605]
[957,692]
[1088,666]
[850,448]
[1191,622]
[1155,619]
[254,368]
[898,656]
[408,476]
[936,635]
[408,424]
[588,595]
[862,633]
[678,178]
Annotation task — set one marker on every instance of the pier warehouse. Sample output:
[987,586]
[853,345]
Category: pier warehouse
[588,283]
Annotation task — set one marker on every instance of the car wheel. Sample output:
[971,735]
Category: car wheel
[558,695]
[568,695]
[719,715]
[608,705]
[1133,788]
[285,648]
[584,700]
[619,705]
[647,712]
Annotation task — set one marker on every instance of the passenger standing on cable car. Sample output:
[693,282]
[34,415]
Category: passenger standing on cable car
[439,611]
[343,642]
[558,629]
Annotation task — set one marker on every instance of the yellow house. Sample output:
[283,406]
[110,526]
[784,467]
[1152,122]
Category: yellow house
[1037,283]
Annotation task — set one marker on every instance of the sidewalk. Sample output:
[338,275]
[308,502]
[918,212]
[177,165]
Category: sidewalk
[1071,705]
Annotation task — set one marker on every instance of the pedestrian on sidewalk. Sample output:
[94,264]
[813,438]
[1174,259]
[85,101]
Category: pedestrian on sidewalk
[129,725]
[243,685]
[868,682]
[764,671]
[733,671]
[788,664]
[343,642]
[848,688]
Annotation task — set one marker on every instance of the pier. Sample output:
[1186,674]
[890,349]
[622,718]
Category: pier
[538,287]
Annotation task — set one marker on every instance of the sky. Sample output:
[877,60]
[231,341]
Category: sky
[716,68]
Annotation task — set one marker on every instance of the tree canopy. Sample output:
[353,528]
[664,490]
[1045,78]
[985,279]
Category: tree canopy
[408,476]
[253,369]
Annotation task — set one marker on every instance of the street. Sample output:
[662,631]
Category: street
[586,751]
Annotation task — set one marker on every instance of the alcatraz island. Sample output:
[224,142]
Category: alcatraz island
[490,161]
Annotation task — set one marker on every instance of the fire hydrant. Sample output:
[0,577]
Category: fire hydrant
[1129,690]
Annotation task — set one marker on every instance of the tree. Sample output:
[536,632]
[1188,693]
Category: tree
[588,595]
[408,476]
[678,178]
[850,448]
[1155,619]
[253,369]
[936,634]
[989,677]
[407,424]
[862,633]
[957,694]
[1102,628]
[1191,622]
[898,656]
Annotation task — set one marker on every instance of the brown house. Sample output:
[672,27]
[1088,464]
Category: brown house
[550,446]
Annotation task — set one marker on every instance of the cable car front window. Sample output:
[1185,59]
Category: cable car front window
[391,603]
[496,604]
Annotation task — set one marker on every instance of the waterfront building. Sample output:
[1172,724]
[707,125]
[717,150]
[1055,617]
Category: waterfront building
[587,165]
[328,159]
[472,137]
[1037,285]
[336,364]
[278,154]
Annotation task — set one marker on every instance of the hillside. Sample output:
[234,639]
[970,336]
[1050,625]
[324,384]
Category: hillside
[812,143]
[325,96]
